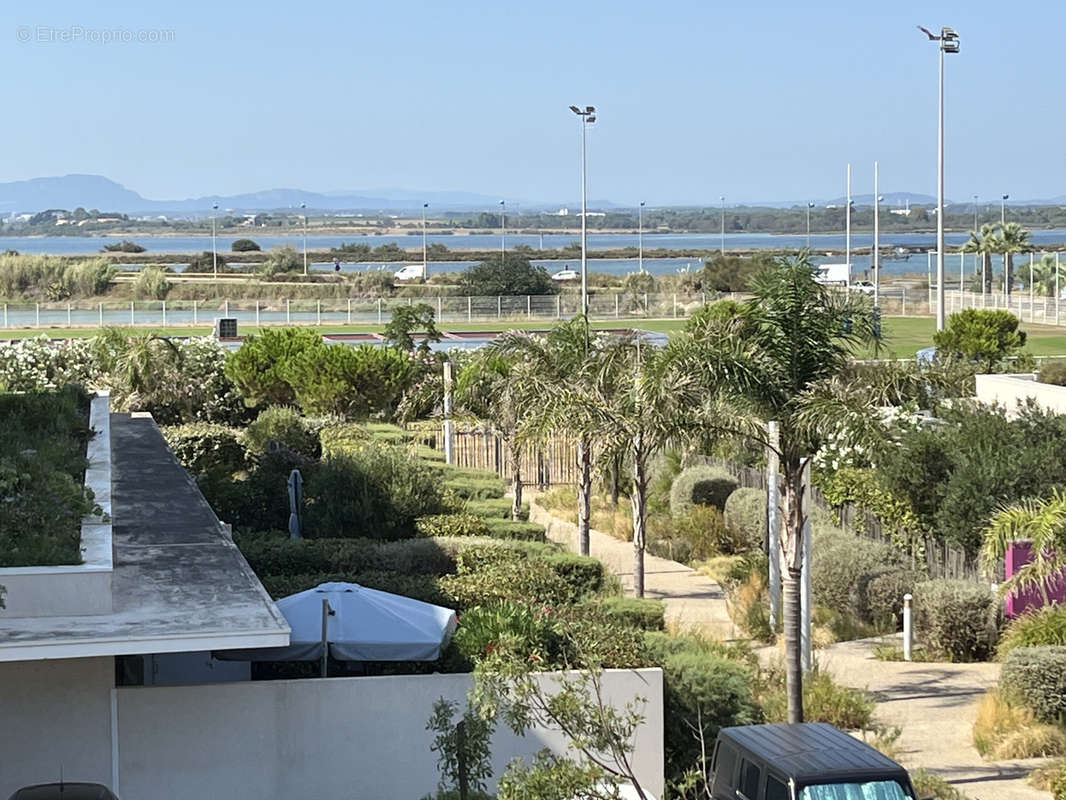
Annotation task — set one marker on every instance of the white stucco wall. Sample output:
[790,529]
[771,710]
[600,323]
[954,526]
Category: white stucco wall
[333,739]
[1010,390]
[55,715]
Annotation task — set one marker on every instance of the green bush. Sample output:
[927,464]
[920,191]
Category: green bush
[495,508]
[1040,626]
[452,525]
[1036,677]
[377,492]
[151,284]
[931,786]
[273,553]
[883,596]
[701,486]
[244,246]
[635,612]
[1053,372]
[842,566]
[261,366]
[282,426]
[519,531]
[350,382]
[987,336]
[745,517]
[475,488]
[823,701]
[957,618]
[343,437]
[486,574]
[482,627]
[204,448]
[419,587]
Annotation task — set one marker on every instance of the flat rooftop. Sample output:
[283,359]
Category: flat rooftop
[179,582]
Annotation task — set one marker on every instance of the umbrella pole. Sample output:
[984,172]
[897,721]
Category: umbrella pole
[325,642]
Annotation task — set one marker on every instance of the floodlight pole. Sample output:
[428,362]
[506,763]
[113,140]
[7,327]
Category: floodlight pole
[722,200]
[425,261]
[810,205]
[640,235]
[214,247]
[303,207]
[588,116]
[847,227]
[503,234]
[877,241]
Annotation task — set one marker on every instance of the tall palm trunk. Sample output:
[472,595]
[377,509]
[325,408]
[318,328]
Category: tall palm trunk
[639,498]
[986,270]
[516,483]
[614,481]
[584,494]
[1008,273]
[791,580]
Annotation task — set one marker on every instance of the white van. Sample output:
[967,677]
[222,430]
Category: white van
[411,272]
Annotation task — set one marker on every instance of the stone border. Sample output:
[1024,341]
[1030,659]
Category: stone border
[75,589]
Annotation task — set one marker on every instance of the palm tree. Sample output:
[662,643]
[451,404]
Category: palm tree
[550,362]
[488,389]
[774,357]
[1043,524]
[1010,238]
[983,242]
[1044,276]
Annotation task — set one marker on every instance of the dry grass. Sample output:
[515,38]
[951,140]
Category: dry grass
[1004,730]
[718,568]
[1045,778]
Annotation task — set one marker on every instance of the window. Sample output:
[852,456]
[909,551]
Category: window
[868,790]
[776,789]
[749,779]
[725,761]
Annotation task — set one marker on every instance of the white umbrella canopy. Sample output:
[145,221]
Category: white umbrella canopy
[361,625]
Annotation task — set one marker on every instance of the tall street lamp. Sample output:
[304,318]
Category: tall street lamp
[722,200]
[640,235]
[1003,209]
[949,43]
[425,261]
[810,205]
[303,207]
[877,241]
[503,235]
[847,227]
[975,214]
[588,116]
[214,248]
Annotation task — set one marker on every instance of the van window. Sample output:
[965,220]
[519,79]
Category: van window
[867,790]
[725,761]
[749,779]
[775,789]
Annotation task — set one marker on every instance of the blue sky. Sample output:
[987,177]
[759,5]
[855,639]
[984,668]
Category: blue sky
[753,100]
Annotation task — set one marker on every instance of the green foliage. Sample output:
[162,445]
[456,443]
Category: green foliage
[861,488]
[842,568]
[343,437]
[452,525]
[494,508]
[280,261]
[956,618]
[633,612]
[151,284]
[419,587]
[552,777]
[378,492]
[883,596]
[488,574]
[42,462]
[1053,372]
[987,336]
[274,553]
[511,624]
[475,488]
[731,273]
[206,262]
[823,701]
[701,485]
[350,382]
[205,448]
[745,517]
[125,246]
[700,533]
[516,530]
[511,275]
[1039,626]
[1036,677]
[955,475]
[53,278]
[261,366]
[408,319]
[931,786]
[244,246]
[281,426]
[474,750]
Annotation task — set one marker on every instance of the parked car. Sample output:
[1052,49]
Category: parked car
[566,275]
[866,287]
[64,791]
[806,761]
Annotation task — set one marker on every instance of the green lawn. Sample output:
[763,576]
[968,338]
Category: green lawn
[904,336]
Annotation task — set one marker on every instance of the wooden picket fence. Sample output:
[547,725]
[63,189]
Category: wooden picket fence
[551,464]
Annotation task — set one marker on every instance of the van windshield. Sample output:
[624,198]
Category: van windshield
[866,790]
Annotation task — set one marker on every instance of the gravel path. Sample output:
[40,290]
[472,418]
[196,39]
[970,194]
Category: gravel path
[934,705]
[692,600]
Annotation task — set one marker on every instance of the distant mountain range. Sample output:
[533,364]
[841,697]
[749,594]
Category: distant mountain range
[95,191]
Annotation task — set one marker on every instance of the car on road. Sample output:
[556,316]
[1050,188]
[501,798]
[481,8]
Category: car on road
[866,287]
[566,275]
[804,761]
[64,791]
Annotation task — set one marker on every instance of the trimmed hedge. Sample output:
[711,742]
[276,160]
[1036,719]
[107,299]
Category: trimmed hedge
[957,618]
[203,447]
[635,612]
[475,488]
[745,516]
[702,486]
[1036,677]
[1041,626]
[420,587]
[495,508]
[273,553]
[883,594]
[282,426]
[519,531]
[843,566]
[451,525]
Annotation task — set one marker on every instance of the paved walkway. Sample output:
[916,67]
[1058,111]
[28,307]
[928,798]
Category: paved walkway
[692,600]
[935,706]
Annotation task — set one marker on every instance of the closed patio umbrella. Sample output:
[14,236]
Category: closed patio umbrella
[357,624]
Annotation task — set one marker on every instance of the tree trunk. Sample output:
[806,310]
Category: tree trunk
[1008,273]
[614,481]
[639,497]
[791,573]
[986,268]
[584,494]
[516,485]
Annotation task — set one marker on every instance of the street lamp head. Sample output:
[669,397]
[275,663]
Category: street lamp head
[215,206]
[575,109]
[880,198]
[303,205]
[1006,197]
[642,204]
[810,204]
[425,205]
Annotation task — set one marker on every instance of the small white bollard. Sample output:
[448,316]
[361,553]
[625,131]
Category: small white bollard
[907,629]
